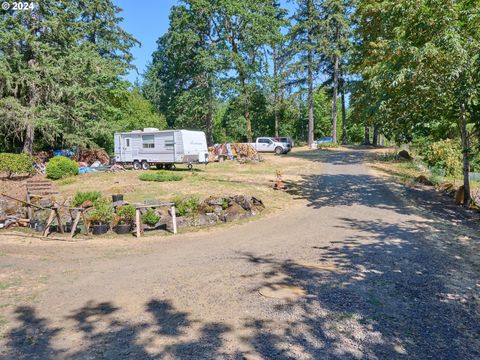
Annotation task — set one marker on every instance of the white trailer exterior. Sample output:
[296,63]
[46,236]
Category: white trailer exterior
[161,148]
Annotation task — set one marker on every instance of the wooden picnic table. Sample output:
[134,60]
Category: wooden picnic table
[138,218]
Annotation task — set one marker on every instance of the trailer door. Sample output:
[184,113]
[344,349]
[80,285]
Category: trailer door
[127,148]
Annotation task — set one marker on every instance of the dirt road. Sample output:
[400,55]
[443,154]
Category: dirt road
[357,269]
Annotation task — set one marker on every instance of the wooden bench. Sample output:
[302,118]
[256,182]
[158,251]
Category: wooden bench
[138,217]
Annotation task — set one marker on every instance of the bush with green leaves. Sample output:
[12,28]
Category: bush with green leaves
[80,197]
[60,167]
[16,164]
[150,217]
[328,145]
[126,213]
[444,154]
[160,176]
[186,205]
[102,213]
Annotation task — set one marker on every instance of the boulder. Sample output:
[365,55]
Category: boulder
[243,201]
[212,201]
[234,212]
[422,179]
[459,195]
[447,187]
[404,154]
[258,203]
[205,219]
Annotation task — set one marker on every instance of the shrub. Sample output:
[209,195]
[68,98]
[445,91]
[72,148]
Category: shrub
[186,205]
[150,217]
[328,145]
[126,214]
[224,203]
[60,166]
[160,176]
[16,164]
[445,154]
[80,197]
[102,213]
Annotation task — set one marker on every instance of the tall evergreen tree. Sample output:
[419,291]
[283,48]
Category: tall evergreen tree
[336,29]
[53,83]
[306,43]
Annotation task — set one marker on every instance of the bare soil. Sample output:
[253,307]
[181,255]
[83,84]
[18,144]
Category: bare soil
[358,267]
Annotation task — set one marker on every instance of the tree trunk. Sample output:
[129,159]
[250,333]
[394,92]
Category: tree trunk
[466,156]
[209,117]
[275,91]
[344,116]
[30,130]
[367,135]
[311,123]
[375,135]
[29,137]
[336,66]
[209,121]
[246,104]
[249,125]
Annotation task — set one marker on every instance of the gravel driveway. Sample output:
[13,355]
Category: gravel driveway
[359,268]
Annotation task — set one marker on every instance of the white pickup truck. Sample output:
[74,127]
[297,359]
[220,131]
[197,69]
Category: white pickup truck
[268,144]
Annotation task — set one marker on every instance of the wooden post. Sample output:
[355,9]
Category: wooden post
[75,223]
[59,221]
[174,219]
[137,221]
[86,223]
[29,208]
[50,220]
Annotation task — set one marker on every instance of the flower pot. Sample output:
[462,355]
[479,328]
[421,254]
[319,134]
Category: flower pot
[99,229]
[34,223]
[117,197]
[123,228]
[67,227]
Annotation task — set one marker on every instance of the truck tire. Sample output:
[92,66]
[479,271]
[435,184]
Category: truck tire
[190,167]
[168,166]
[137,165]
[278,150]
[159,166]
[145,165]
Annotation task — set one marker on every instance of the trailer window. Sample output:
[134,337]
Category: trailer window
[127,142]
[168,143]
[148,141]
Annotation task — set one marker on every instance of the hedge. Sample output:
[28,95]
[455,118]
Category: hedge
[15,164]
[60,166]
[160,176]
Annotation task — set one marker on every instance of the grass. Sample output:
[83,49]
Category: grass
[407,171]
[215,179]
[160,176]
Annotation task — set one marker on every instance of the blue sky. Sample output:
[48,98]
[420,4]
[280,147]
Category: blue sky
[146,20]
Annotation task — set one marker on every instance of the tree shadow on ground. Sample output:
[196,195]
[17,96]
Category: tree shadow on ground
[345,190]
[103,334]
[399,295]
[393,290]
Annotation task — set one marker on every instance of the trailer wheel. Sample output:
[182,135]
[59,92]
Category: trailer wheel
[145,165]
[159,166]
[168,166]
[137,165]
[278,150]
[190,167]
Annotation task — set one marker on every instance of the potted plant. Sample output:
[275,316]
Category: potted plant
[101,216]
[150,218]
[126,216]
